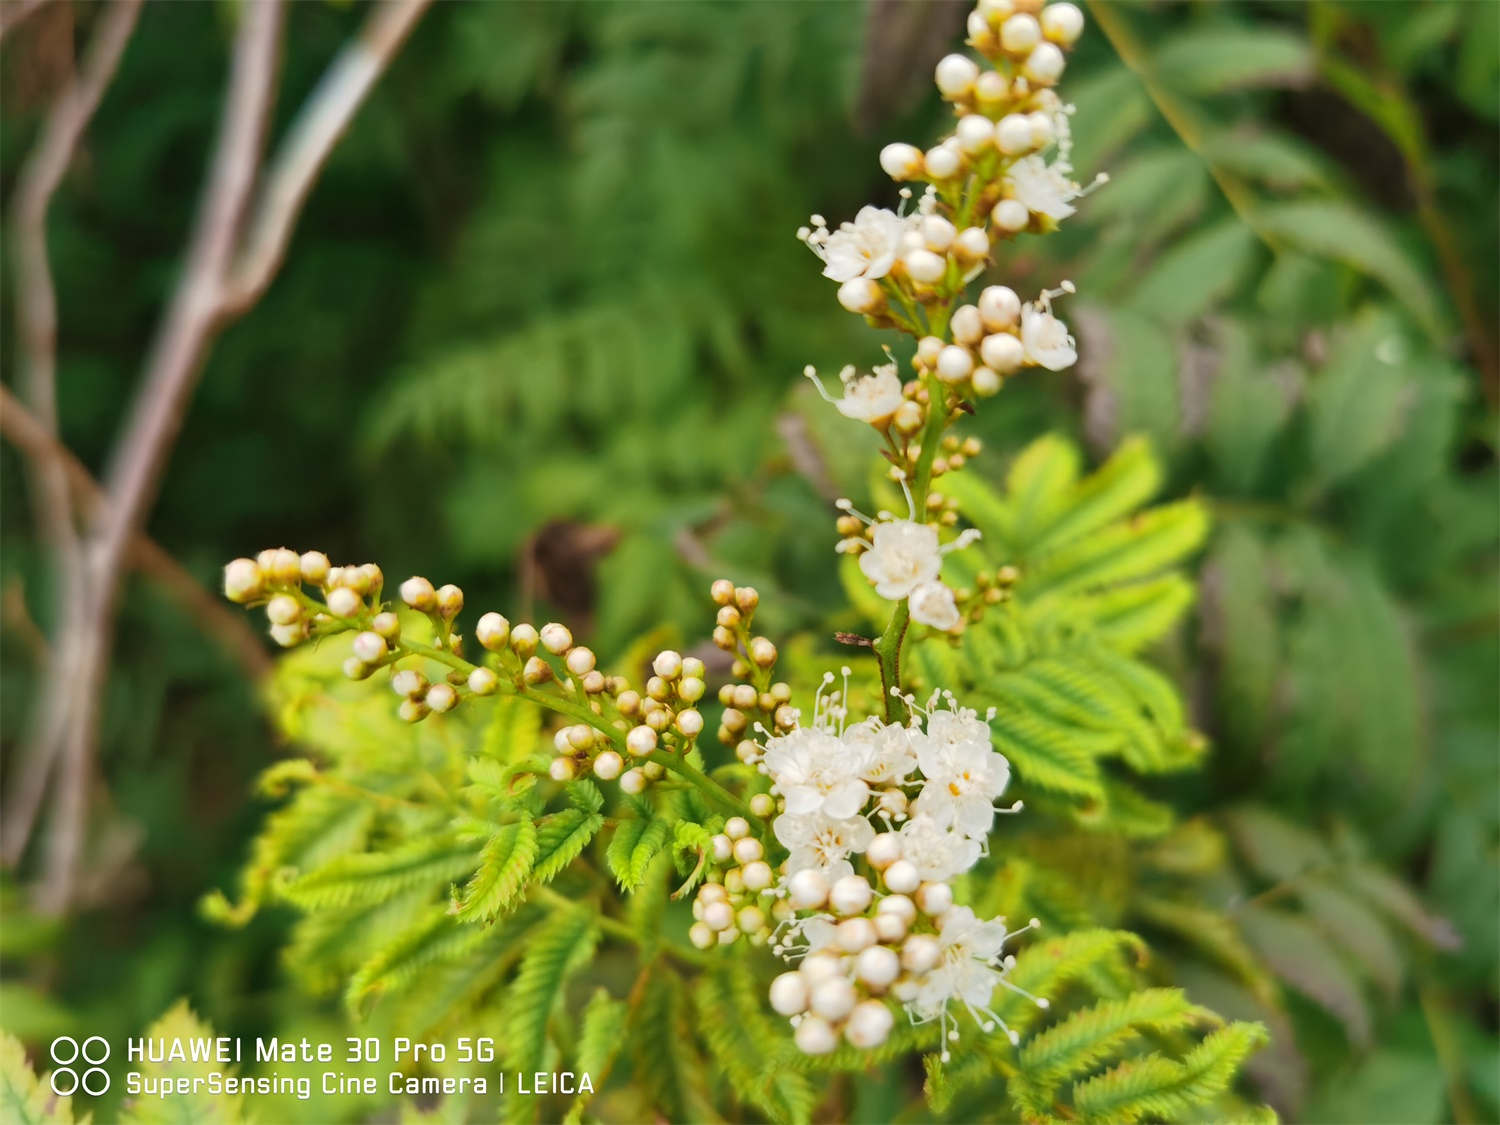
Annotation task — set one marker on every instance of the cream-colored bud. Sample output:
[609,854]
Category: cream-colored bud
[955,75]
[1019,34]
[876,965]
[442,697]
[996,11]
[869,1023]
[815,1036]
[862,296]
[991,88]
[633,782]
[919,953]
[370,647]
[1002,352]
[450,600]
[722,591]
[975,133]
[667,665]
[344,602]
[900,906]
[854,934]
[736,828]
[482,681]
[1010,216]
[493,631]
[954,364]
[418,593]
[807,889]
[608,765]
[523,639]
[691,689]
[536,671]
[314,567]
[762,652]
[1062,23]
[641,741]
[690,722]
[924,266]
[833,999]
[999,307]
[409,682]
[747,849]
[985,382]
[944,162]
[757,875]
[901,877]
[283,609]
[789,994]
[562,769]
[850,895]
[972,244]
[412,710]
[356,669]
[286,567]
[1045,64]
[266,560]
[243,580]
[884,850]
[1013,134]
[901,161]
[387,625]
[934,899]
[763,805]
[937,233]
[966,325]
[556,638]
[580,660]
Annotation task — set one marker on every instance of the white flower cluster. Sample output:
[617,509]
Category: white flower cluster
[903,560]
[879,818]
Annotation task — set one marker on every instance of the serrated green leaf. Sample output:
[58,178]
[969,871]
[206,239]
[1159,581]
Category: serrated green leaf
[1156,1086]
[26,1099]
[1214,60]
[503,867]
[635,844]
[558,948]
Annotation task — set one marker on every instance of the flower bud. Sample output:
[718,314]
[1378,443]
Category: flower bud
[920,953]
[1019,34]
[943,163]
[536,671]
[607,765]
[556,638]
[1010,215]
[370,647]
[1013,134]
[757,875]
[314,567]
[523,639]
[954,364]
[1002,352]
[972,244]
[387,625]
[493,631]
[344,602]
[762,652]
[283,609]
[862,296]
[412,711]
[937,233]
[450,600]
[747,849]
[1045,64]
[482,681]
[789,994]
[641,741]
[925,266]
[901,877]
[869,1024]
[633,782]
[876,965]
[807,889]
[418,593]
[934,898]
[1062,23]
[243,580]
[814,1036]
[562,769]
[854,934]
[285,568]
[955,75]
[901,161]
[985,382]
[975,133]
[850,895]
[356,669]
[999,307]
[832,999]
[580,661]
[441,697]
[884,850]
[763,805]
[290,635]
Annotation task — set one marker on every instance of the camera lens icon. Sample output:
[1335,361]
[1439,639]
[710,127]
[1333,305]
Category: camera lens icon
[66,1078]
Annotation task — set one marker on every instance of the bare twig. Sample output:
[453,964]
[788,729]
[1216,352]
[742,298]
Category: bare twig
[172,366]
[310,141]
[16,12]
[36,315]
[226,272]
[225,626]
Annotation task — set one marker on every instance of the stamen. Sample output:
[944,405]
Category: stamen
[811,372]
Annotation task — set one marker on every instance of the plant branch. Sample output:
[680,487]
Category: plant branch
[13,14]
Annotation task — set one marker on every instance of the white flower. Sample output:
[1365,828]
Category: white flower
[872,398]
[932,604]
[1043,188]
[964,775]
[965,970]
[1045,339]
[867,247]
[902,555]
[816,772]
[889,757]
[821,842]
[937,853]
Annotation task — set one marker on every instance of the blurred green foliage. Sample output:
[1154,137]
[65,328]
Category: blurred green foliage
[549,275]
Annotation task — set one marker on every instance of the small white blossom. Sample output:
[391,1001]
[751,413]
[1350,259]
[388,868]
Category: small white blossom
[816,773]
[1045,339]
[871,398]
[964,775]
[886,749]
[932,604]
[903,554]
[936,853]
[1043,188]
[822,843]
[867,247]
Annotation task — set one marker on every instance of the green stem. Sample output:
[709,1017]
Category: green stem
[676,763]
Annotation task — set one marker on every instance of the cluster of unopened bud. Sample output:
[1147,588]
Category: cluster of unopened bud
[1005,112]
[986,344]
[741,901]
[275,579]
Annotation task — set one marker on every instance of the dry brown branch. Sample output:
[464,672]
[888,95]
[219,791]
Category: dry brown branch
[36,316]
[15,13]
[226,271]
